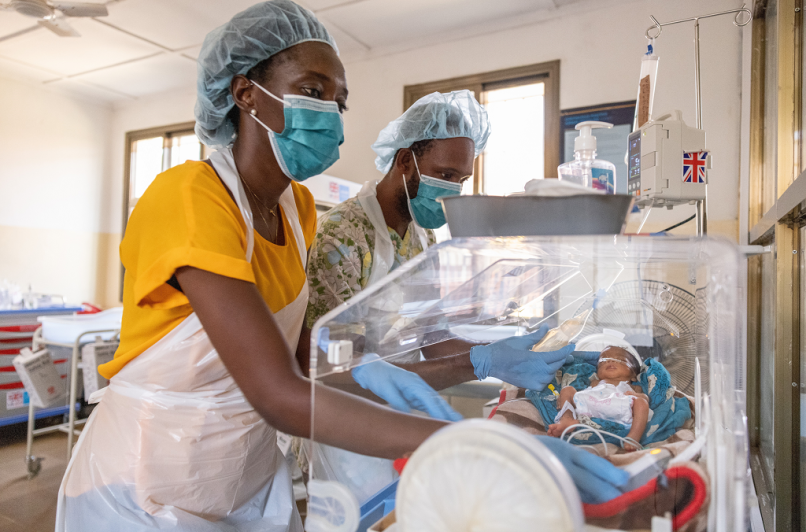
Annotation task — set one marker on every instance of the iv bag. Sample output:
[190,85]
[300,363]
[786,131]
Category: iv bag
[646,87]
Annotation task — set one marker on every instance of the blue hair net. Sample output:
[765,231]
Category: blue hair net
[436,116]
[252,35]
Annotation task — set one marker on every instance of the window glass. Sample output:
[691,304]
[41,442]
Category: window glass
[147,156]
[515,152]
[767,362]
[769,179]
[185,148]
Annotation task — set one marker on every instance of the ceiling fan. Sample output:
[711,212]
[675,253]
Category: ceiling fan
[47,13]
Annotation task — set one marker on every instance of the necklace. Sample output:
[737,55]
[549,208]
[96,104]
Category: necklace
[262,216]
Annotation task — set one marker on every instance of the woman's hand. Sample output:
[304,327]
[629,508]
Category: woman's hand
[596,479]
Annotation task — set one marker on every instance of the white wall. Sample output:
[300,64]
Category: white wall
[55,192]
[599,52]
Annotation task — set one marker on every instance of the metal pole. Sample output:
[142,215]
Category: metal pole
[71,424]
[30,438]
[697,91]
[702,207]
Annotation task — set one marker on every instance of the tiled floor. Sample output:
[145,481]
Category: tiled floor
[29,505]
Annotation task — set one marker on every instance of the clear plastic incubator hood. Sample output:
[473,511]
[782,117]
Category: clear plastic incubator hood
[675,300]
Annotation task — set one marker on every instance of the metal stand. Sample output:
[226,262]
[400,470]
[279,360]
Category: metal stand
[34,463]
[702,206]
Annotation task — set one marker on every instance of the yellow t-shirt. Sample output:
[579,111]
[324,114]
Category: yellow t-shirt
[187,218]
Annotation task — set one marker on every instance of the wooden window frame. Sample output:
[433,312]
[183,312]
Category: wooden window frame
[779,224]
[547,73]
[166,132]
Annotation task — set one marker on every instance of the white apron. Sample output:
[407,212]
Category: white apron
[383,256]
[174,444]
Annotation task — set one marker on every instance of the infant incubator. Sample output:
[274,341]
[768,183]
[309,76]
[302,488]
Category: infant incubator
[675,300]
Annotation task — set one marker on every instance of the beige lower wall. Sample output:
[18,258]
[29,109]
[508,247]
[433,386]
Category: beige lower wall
[81,266]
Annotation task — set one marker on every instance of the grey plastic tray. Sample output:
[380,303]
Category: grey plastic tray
[470,216]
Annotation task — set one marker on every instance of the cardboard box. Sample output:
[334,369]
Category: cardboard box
[92,356]
[40,377]
[384,525]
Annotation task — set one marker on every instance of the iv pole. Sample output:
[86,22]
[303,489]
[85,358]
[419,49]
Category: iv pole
[702,216]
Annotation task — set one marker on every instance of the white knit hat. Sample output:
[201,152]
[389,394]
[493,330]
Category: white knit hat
[608,338]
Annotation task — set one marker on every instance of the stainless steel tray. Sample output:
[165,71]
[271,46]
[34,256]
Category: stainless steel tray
[590,214]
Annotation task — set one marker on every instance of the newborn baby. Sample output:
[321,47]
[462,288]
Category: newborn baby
[610,396]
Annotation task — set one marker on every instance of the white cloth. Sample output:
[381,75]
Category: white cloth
[174,444]
[606,401]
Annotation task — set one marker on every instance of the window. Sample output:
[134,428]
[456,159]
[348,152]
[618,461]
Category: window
[515,154]
[524,107]
[151,152]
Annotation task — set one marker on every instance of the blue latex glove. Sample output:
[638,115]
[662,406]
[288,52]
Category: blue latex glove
[512,360]
[402,389]
[324,338]
[596,479]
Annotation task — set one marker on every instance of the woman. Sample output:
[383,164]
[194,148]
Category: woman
[214,301]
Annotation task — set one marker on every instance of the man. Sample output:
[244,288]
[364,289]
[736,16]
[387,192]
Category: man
[426,153]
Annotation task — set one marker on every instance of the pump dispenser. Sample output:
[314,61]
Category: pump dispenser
[586,169]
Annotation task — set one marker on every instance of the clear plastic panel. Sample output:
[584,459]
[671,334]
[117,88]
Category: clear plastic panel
[674,299]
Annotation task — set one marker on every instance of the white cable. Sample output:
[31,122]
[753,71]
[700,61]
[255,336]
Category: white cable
[690,452]
[586,428]
[592,448]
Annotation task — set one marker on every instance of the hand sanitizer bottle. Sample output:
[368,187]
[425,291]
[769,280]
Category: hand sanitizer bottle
[586,169]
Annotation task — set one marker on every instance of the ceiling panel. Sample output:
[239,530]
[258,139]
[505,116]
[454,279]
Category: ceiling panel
[319,5]
[11,22]
[14,70]
[87,91]
[99,46]
[193,51]
[149,76]
[349,48]
[380,23]
[175,23]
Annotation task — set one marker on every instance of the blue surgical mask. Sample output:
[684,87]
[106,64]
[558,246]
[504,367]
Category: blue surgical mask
[425,209]
[309,143]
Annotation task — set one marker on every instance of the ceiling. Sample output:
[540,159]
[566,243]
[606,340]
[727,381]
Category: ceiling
[146,47]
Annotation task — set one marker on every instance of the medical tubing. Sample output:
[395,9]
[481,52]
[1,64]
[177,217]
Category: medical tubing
[675,226]
[586,428]
[690,452]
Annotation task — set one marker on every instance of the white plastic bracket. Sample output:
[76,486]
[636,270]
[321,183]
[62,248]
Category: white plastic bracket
[339,352]
[662,524]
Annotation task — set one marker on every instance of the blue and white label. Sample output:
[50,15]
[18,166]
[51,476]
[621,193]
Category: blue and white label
[604,180]
[16,399]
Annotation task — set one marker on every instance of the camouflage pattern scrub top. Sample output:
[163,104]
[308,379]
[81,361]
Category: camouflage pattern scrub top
[340,261]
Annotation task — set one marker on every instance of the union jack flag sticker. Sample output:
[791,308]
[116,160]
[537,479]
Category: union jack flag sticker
[694,166]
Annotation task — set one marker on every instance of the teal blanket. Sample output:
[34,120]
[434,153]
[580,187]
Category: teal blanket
[669,412]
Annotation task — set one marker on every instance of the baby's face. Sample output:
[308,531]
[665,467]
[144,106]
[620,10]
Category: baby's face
[611,370]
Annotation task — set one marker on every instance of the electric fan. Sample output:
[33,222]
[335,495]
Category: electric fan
[661,321]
